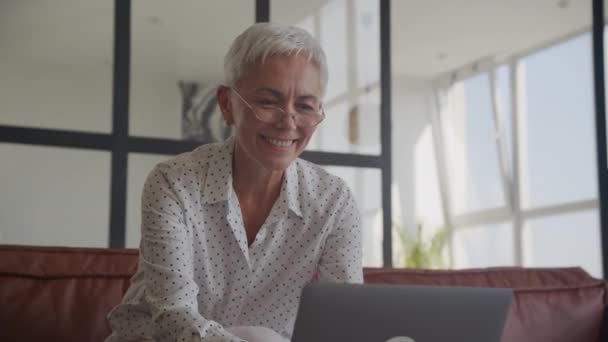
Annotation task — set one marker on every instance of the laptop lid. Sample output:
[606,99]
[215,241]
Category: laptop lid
[380,313]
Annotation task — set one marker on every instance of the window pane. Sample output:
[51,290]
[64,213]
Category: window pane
[350,126]
[54,196]
[366,185]
[484,246]
[367,34]
[332,134]
[177,61]
[349,32]
[564,240]
[558,137]
[140,166]
[56,64]
[470,38]
[470,144]
[334,40]
[367,129]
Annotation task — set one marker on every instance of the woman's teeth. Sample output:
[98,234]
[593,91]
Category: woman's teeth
[280,143]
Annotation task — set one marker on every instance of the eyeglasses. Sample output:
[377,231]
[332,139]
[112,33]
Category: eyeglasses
[305,115]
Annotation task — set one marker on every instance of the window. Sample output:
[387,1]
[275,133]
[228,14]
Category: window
[113,120]
[349,32]
[557,125]
[365,184]
[564,240]
[510,109]
[470,145]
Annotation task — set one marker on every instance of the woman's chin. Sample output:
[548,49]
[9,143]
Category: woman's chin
[276,164]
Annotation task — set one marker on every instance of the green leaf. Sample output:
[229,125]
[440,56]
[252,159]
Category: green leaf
[417,253]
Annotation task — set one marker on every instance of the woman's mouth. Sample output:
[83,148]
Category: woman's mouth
[279,142]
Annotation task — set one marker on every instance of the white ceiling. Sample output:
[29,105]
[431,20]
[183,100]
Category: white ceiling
[190,37]
[435,36]
[431,37]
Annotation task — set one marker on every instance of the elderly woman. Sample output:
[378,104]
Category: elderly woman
[232,232]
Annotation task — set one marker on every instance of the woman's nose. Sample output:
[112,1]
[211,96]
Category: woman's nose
[288,120]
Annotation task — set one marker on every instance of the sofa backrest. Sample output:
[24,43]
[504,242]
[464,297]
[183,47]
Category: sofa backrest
[61,294]
[549,304]
[65,294]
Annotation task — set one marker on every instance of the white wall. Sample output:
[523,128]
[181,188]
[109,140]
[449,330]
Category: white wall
[415,177]
[54,196]
[56,96]
[412,147]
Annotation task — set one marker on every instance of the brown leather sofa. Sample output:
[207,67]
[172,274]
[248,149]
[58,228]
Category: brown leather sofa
[64,294]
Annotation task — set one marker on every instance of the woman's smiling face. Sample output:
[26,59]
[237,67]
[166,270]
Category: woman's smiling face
[289,82]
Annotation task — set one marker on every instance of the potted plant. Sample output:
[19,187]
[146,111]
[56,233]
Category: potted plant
[417,252]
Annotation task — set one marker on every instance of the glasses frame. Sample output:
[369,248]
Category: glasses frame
[294,116]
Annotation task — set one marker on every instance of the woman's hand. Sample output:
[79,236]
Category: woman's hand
[256,334]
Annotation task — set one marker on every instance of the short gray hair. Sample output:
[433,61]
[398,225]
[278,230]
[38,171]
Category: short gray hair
[263,40]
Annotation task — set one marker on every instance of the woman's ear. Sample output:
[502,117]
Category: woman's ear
[223,100]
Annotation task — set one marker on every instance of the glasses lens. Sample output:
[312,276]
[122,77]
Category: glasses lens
[308,120]
[269,114]
[275,114]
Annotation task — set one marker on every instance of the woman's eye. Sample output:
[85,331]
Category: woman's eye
[305,107]
[265,102]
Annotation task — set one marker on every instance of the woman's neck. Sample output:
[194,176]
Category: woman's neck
[253,183]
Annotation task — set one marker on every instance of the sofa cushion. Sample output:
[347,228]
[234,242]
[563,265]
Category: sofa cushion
[559,314]
[549,305]
[60,294]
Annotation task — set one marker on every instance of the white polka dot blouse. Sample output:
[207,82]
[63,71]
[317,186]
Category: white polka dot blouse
[197,275]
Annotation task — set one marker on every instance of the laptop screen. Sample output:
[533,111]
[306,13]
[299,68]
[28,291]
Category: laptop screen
[370,313]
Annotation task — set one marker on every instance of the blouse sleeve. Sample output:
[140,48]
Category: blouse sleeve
[341,259]
[166,263]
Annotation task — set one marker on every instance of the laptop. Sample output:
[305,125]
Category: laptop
[395,313]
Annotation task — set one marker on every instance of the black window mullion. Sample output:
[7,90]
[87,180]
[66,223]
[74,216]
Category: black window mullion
[385,129]
[55,137]
[600,124]
[262,11]
[120,122]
